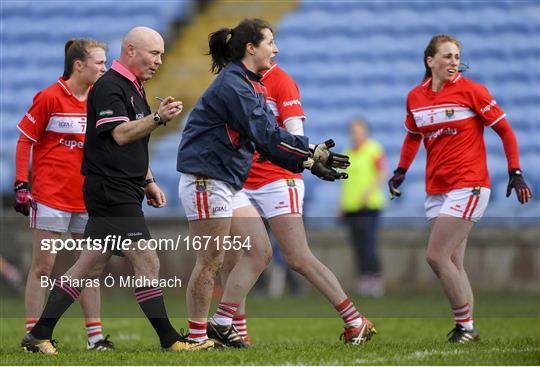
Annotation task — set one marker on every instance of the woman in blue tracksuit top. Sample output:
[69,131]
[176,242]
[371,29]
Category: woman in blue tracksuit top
[228,123]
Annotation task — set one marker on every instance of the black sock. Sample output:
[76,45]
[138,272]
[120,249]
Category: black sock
[151,301]
[61,297]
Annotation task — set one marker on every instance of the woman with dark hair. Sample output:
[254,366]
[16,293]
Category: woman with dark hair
[277,195]
[228,123]
[449,113]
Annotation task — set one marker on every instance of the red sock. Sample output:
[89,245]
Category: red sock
[94,331]
[240,324]
[463,316]
[197,331]
[349,314]
[225,312]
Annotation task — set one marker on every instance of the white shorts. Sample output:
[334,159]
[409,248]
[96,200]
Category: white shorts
[205,198]
[280,197]
[469,203]
[55,220]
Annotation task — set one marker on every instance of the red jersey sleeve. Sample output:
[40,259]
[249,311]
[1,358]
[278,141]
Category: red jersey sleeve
[485,106]
[409,149]
[22,158]
[410,124]
[510,144]
[288,100]
[35,121]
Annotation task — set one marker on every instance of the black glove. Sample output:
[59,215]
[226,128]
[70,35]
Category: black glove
[517,182]
[326,173]
[396,180]
[322,153]
[23,198]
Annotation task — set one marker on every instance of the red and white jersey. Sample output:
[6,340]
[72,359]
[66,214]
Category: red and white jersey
[283,98]
[56,123]
[452,122]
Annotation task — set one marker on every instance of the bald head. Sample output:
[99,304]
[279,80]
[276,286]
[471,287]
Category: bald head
[141,52]
[140,36]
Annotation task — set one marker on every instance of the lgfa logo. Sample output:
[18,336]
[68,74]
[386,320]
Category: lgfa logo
[217,209]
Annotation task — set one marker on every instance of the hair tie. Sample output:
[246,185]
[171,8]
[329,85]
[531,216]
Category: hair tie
[229,35]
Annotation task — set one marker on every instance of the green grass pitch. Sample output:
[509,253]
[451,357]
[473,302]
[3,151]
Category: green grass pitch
[304,331]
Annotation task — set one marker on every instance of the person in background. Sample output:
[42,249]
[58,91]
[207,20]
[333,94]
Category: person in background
[362,200]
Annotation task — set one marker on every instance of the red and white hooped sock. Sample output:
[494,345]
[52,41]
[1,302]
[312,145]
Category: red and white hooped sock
[463,316]
[225,312]
[94,331]
[349,314]
[29,324]
[240,324]
[197,331]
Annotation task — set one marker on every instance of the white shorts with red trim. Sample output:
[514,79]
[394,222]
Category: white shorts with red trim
[55,220]
[285,196]
[205,198]
[468,203]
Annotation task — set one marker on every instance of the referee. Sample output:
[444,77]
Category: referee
[117,179]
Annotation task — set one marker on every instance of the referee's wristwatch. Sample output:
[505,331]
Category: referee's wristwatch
[149,181]
[158,120]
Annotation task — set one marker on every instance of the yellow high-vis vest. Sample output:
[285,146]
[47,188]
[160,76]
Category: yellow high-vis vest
[363,174]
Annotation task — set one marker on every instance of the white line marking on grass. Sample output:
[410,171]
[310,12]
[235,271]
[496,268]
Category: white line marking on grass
[423,354]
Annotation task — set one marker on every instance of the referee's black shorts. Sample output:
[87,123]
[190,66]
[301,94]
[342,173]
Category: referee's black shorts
[114,208]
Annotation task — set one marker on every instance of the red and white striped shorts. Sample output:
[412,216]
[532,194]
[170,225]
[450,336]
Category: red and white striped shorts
[468,203]
[205,198]
[284,196]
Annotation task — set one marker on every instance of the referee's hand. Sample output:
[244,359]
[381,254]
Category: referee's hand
[154,196]
[169,108]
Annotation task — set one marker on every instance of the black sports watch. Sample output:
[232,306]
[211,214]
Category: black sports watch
[158,120]
[149,181]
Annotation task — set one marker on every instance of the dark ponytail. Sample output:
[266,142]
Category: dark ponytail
[229,44]
[218,43]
